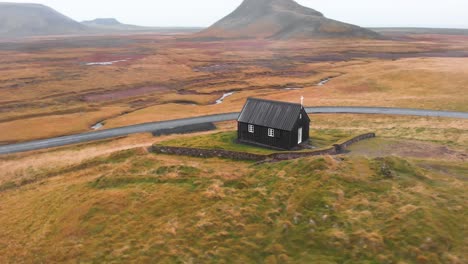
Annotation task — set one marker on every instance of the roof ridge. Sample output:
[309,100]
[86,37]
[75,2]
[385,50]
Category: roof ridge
[272,101]
[269,113]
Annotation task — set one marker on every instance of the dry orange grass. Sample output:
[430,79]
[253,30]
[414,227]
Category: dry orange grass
[154,208]
[368,88]
[54,125]
[450,132]
[102,206]
[55,80]
[20,166]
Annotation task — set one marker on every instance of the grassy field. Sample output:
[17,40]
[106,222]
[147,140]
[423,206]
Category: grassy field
[136,206]
[227,141]
[446,131]
[399,198]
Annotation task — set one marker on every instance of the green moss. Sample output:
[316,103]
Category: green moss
[311,210]
[122,156]
[227,141]
[92,212]
[104,182]
[237,184]
[326,137]
[181,170]
[115,158]
[96,229]
[144,163]
[8,185]
[390,167]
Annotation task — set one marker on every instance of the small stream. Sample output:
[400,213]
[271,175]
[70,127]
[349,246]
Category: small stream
[98,126]
[220,100]
[104,62]
[321,83]
[324,81]
[292,88]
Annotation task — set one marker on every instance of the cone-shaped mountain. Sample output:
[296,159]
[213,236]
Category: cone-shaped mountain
[281,19]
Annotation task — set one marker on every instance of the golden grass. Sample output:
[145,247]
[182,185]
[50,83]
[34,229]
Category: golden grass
[227,140]
[53,81]
[20,166]
[167,112]
[135,206]
[94,204]
[54,125]
[451,132]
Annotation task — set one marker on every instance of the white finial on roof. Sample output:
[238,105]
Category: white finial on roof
[302,100]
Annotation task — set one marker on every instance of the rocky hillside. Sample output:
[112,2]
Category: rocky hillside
[20,20]
[281,19]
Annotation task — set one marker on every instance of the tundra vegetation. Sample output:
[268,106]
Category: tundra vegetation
[385,201]
[228,141]
[154,77]
[398,198]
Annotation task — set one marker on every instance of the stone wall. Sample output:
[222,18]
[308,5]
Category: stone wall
[185,129]
[340,148]
[298,155]
[213,153]
[206,153]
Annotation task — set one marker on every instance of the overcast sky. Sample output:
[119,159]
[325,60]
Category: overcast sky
[368,13]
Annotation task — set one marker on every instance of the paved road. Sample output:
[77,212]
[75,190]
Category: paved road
[151,127]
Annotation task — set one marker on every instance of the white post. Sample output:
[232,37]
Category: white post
[302,101]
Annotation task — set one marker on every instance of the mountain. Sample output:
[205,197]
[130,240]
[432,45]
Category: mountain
[26,20]
[281,19]
[113,24]
[21,20]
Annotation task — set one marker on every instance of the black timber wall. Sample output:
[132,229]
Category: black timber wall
[305,124]
[282,139]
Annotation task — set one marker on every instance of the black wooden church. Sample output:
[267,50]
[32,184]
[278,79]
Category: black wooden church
[273,124]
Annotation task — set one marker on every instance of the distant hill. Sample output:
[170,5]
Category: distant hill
[112,24]
[281,19]
[20,20]
[25,20]
[103,22]
[439,31]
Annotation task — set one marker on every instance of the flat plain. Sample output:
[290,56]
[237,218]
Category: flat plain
[398,198]
[65,86]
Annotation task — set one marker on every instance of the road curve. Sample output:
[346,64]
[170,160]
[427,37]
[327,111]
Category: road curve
[155,126]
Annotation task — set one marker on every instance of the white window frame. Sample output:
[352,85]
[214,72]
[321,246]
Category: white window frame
[251,128]
[271,132]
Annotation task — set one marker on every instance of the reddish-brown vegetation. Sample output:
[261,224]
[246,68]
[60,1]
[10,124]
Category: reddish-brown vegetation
[156,77]
[117,95]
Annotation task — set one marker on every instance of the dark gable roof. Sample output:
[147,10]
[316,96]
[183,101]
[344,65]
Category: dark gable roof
[272,114]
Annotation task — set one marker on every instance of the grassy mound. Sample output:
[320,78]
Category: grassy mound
[227,141]
[135,206]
